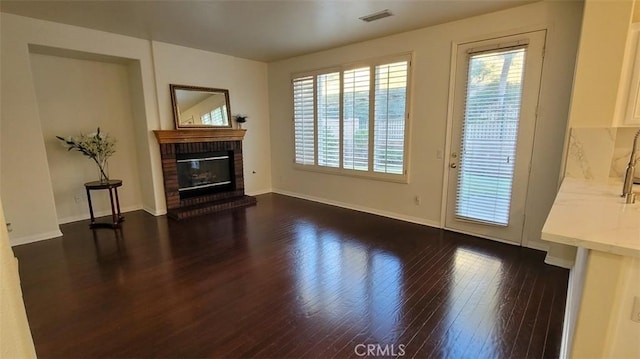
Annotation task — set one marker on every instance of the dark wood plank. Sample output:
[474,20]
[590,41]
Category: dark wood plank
[475,317]
[553,335]
[287,278]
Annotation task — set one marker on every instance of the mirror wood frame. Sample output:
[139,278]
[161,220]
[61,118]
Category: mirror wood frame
[176,114]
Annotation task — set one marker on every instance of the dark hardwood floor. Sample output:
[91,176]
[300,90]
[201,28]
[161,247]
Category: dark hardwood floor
[287,278]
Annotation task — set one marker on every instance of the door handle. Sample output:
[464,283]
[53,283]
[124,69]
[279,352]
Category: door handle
[453,165]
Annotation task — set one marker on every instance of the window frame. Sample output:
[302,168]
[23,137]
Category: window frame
[370,173]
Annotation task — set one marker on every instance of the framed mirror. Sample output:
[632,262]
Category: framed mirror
[200,107]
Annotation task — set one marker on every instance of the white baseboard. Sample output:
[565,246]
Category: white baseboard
[82,217]
[154,212]
[55,234]
[533,245]
[559,262]
[259,192]
[369,210]
[495,239]
[35,238]
[539,245]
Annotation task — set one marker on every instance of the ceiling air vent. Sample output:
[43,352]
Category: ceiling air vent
[376,15]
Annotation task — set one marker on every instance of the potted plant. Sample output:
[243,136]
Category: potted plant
[98,146]
[240,119]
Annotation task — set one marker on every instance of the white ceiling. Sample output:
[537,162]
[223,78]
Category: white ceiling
[263,30]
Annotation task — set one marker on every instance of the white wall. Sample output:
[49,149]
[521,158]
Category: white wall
[602,46]
[603,327]
[78,96]
[246,81]
[623,333]
[26,185]
[15,337]
[431,69]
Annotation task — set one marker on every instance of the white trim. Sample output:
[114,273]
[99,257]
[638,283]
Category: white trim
[369,210]
[35,238]
[539,245]
[259,192]
[532,31]
[393,215]
[340,69]
[574,295]
[372,61]
[559,261]
[84,216]
[477,235]
[446,156]
[509,45]
[153,212]
[505,33]
[377,176]
[450,105]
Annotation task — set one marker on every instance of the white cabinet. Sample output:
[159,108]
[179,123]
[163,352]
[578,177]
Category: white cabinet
[628,109]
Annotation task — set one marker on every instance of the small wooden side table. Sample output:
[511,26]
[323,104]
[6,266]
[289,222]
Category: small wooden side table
[112,186]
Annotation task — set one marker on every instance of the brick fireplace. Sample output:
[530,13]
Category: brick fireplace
[202,170]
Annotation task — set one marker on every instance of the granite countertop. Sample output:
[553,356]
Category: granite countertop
[593,215]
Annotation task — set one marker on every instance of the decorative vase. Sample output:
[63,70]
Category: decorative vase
[103,172]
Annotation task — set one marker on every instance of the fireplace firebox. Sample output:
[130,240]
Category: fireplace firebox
[202,171]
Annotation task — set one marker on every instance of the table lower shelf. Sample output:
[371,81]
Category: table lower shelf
[115,224]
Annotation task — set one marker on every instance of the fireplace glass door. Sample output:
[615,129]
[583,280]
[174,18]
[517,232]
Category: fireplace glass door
[203,173]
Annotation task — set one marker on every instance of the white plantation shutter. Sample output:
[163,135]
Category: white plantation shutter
[328,104]
[217,115]
[355,128]
[389,117]
[303,114]
[353,120]
[206,119]
[489,135]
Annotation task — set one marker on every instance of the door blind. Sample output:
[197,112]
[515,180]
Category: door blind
[489,135]
[303,116]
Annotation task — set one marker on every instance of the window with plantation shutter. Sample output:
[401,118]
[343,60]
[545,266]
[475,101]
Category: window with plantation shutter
[355,125]
[304,120]
[353,120]
[217,115]
[389,120]
[328,114]
[489,136]
[214,117]
[206,119]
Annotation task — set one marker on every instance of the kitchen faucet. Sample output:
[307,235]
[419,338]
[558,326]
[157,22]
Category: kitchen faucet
[627,191]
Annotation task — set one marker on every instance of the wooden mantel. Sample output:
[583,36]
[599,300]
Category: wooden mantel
[199,135]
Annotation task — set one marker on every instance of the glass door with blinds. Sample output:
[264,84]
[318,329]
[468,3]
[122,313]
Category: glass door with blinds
[495,100]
